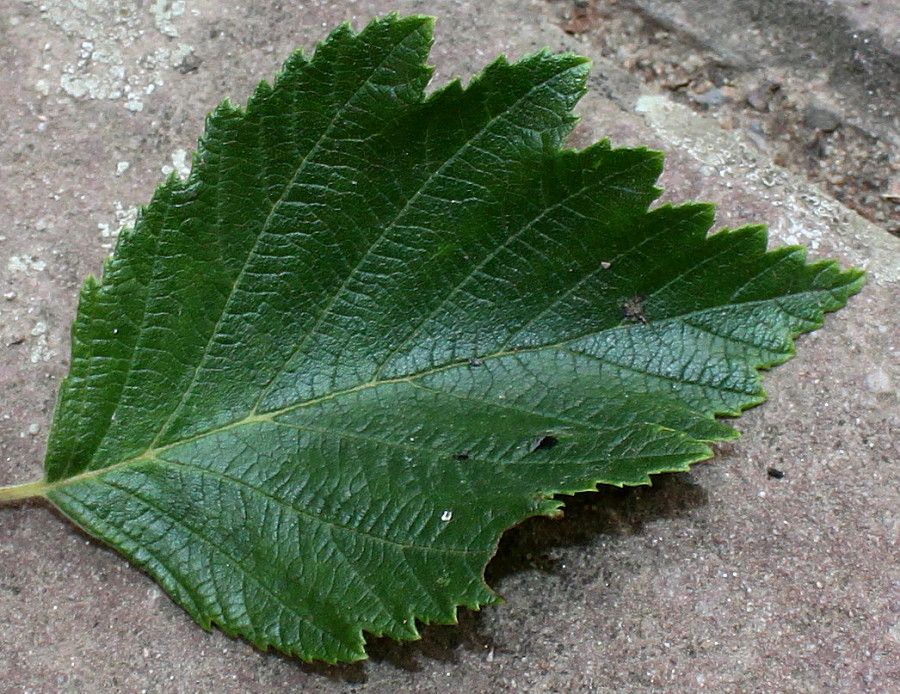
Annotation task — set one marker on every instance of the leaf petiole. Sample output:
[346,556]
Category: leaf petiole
[23,491]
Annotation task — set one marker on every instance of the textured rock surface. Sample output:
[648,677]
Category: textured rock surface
[723,580]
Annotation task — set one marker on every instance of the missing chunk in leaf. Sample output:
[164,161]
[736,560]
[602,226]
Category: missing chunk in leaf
[545,443]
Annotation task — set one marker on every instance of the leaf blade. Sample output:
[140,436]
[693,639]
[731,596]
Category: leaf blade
[323,375]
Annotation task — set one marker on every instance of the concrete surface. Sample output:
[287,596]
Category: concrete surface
[720,580]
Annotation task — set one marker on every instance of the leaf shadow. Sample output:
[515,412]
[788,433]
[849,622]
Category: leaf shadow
[529,547]
[607,511]
[439,642]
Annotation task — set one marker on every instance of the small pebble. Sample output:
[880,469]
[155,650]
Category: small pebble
[879,381]
[819,118]
[893,191]
[760,97]
[713,97]
[757,126]
[34,429]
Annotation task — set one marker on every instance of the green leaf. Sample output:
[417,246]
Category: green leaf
[374,329]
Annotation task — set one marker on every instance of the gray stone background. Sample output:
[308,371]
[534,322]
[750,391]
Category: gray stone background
[719,580]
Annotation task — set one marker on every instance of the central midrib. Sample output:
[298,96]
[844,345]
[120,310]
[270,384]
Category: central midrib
[256,418]
[268,416]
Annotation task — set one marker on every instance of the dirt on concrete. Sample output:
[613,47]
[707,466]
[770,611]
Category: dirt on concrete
[801,81]
[727,579]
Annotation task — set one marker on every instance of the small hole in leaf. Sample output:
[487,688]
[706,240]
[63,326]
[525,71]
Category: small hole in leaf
[545,443]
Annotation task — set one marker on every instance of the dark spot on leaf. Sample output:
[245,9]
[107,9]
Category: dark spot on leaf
[633,309]
[473,362]
[545,443]
[461,456]
[774,473]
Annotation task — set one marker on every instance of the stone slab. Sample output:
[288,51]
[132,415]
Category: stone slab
[719,580]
